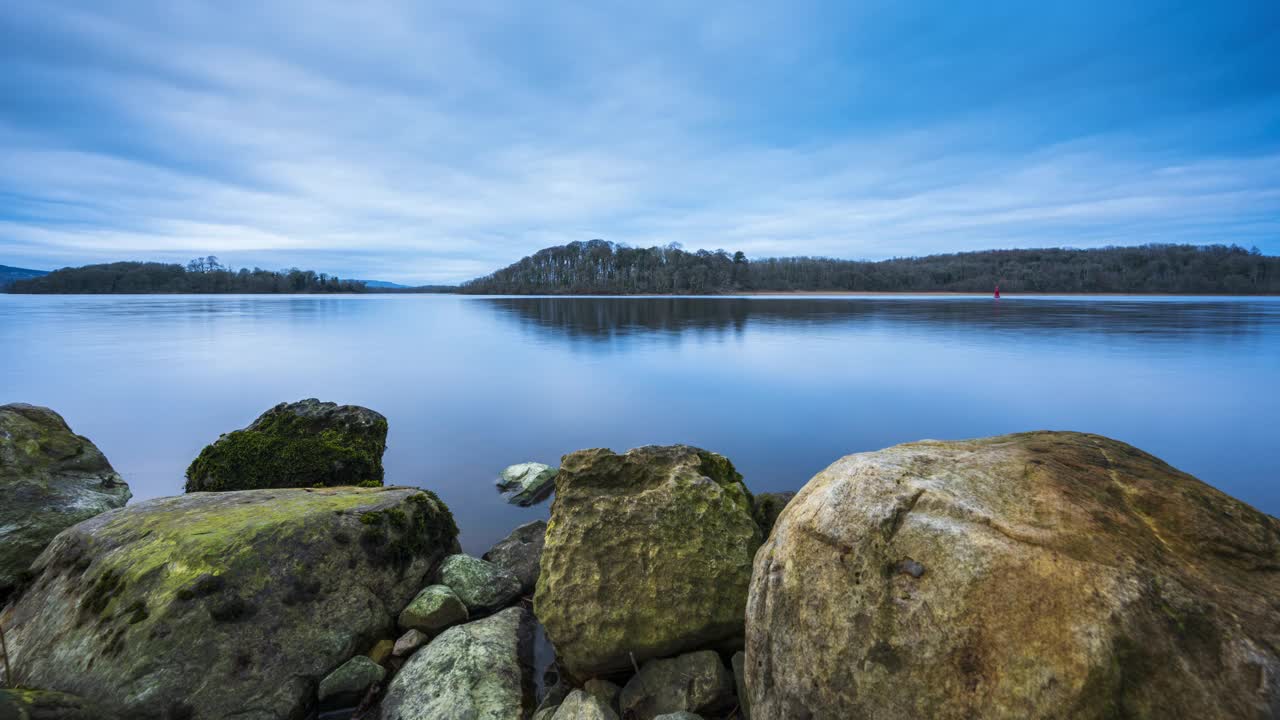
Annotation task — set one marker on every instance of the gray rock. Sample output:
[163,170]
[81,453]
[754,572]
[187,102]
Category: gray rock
[409,643]
[347,685]
[527,483]
[581,705]
[546,713]
[682,715]
[604,691]
[697,682]
[50,479]
[739,683]
[434,609]
[217,605]
[303,444]
[482,670]
[481,585]
[520,552]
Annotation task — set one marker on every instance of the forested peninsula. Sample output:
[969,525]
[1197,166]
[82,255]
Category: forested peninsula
[600,267]
[200,276]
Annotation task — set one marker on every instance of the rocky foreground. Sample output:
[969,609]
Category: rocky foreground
[1039,575]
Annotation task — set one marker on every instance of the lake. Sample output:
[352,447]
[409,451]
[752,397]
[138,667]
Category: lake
[782,386]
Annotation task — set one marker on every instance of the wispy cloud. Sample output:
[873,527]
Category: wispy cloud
[415,143]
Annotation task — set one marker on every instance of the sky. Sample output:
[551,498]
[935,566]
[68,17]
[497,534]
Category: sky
[424,142]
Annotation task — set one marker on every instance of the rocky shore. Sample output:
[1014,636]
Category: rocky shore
[1035,575]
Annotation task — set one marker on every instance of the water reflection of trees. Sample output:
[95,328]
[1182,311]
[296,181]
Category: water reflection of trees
[601,319]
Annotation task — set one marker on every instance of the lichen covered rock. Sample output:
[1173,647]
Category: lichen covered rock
[648,554]
[520,553]
[1038,575]
[50,479]
[482,670]
[582,705]
[346,686]
[481,585]
[434,609]
[527,483]
[693,682]
[216,605]
[303,444]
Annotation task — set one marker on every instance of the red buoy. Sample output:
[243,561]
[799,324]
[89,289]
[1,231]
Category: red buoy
[997,292]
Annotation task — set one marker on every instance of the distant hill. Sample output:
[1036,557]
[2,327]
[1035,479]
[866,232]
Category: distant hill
[599,267]
[10,274]
[203,275]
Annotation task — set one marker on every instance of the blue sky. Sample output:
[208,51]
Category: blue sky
[424,142]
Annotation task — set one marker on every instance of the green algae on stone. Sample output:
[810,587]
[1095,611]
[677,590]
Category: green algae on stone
[435,608]
[480,584]
[302,444]
[648,554]
[1035,575]
[50,479]
[222,602]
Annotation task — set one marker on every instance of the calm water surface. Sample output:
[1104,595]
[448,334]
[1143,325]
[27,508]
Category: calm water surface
[782,386]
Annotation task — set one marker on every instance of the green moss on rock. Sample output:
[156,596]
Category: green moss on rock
[303,444]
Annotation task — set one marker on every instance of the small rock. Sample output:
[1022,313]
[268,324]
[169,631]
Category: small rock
[696,682]
[345,686]
[682,715]
[380,651]
[409,642]
[604,691]
[527,483]
[768,506]
[482,586]
[434,609]
[520,553]
[481,670]
[739,682]
[581,705]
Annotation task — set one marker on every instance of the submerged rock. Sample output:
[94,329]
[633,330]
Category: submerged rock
[648,554]
[482,586]
[303,444]
[50,479]
[768,506]
[482,671]
[216,605]
[520,553]
[527,483]
[25,704]
[695,682]
[581,705]
[1034,575]
[434,609]
[347,685]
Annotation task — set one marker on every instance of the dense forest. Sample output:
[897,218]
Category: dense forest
[599,267]
[202,275]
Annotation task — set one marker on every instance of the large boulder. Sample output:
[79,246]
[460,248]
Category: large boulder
[1038,575]
[520,553]
[303,444]
[50,479]
[216,605]
[480,671]
[648,554]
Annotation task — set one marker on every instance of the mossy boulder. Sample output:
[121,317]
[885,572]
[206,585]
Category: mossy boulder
[50,479]
[433,609]
[303,444]
[482,670]
[1037,575]
[482,586]
[648,554]
[215,605]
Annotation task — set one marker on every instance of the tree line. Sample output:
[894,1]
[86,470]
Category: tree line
[600,267]
[202,275]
